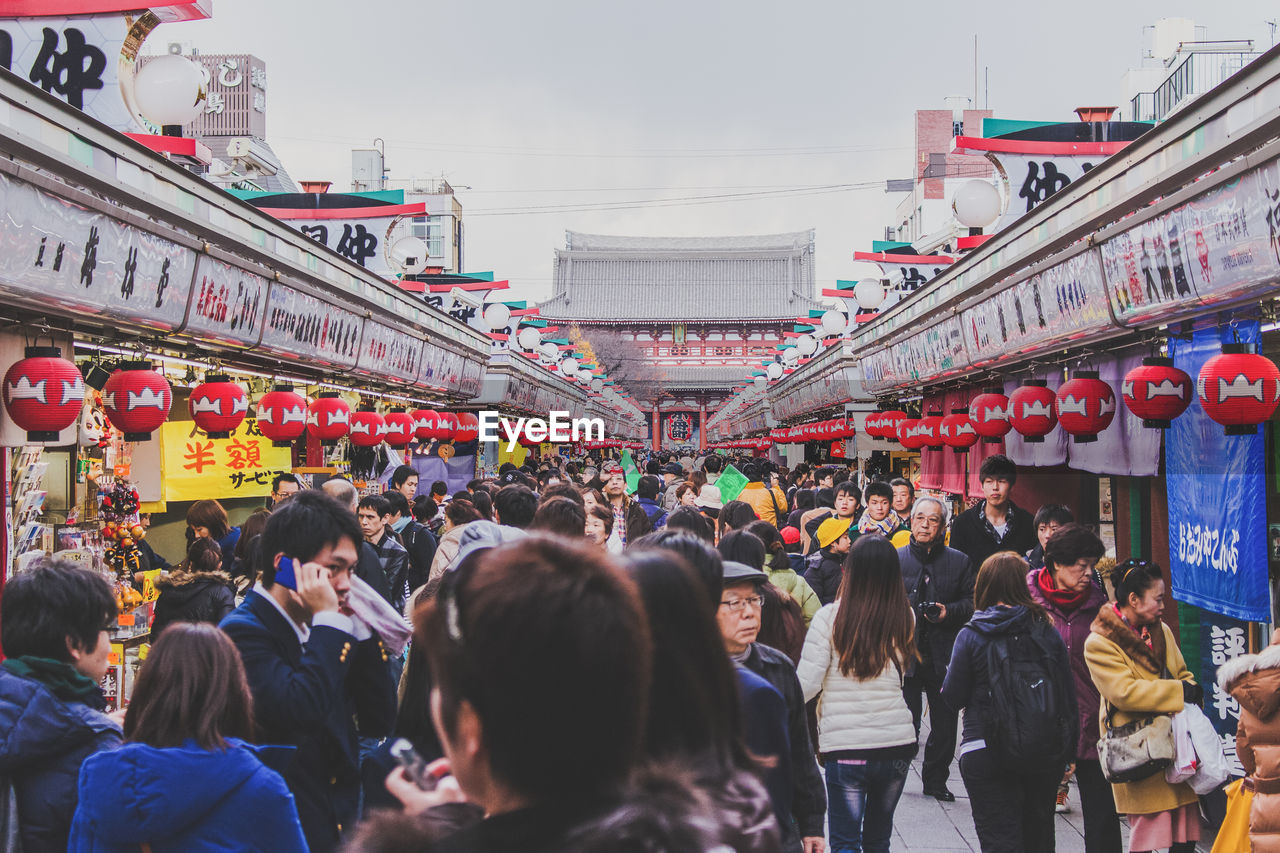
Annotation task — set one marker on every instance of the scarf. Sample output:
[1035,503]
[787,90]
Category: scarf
[62,679]
[886,526]
[1063,599]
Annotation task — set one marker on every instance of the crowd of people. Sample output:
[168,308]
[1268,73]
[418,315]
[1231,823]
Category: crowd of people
[549,660]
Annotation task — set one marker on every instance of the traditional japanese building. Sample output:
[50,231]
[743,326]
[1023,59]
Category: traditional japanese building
[693,315]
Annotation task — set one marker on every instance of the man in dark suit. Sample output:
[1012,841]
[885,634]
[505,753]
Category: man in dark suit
[317,673]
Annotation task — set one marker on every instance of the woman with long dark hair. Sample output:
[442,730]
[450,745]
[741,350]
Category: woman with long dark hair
[187,780]
[854,655]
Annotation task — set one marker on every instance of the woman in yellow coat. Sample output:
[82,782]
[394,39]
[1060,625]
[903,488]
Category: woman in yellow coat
[1135,663]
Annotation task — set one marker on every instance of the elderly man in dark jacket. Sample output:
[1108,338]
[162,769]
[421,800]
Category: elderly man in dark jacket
[939,583]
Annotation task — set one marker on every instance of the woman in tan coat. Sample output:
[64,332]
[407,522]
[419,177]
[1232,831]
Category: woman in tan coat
[1254,680]
[1135,663]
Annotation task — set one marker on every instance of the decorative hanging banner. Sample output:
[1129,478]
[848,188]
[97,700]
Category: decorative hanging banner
[1217,499]
[1221,639]
[198,467]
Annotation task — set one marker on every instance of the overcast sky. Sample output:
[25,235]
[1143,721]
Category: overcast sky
[590,104]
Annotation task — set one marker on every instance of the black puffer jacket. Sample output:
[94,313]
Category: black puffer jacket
[946,576]
[192,597]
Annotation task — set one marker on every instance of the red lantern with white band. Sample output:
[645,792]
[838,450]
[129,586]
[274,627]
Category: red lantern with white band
[399,428]
[468,428]
[889,422]
[218,405]
[368,428]
[958,431]
[1157,392]
[43,393]
[908,433]
[1085,406]
[1031,410]
[329,418]
[871,426]
[282,415]
[1239,388]
[446,426]
[989,412]
[424,424]
[137,400]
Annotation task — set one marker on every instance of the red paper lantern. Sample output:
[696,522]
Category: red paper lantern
[871,426]
[218,405]
[468,427]
[845,428]
[958,431]
[1239,388]
[400,427]
[989,412]
[137,400]
[1157,392]
[43,393]
[424,424]
[446,426]
[889,422]
[1031,410]
[329,418]
[1085,406]
[282,415]
[908,433]
[368,428]
[931,431]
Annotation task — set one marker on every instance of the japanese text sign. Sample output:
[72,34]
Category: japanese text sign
[198,467]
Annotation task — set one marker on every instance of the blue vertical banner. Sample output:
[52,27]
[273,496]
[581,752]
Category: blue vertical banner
[1217,498]
[1221,639]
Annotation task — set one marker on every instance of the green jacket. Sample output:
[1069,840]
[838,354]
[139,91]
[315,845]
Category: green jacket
[796,587]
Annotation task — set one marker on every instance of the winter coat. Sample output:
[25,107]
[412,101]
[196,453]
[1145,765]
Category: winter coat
[228,545]
[43,742]
[852,713]
[968,681]
[764,732]
[185,800]
[1129,676]
[1074,629]
[638,523]
[653,511]
[824,574]
[192,597]
[756,496]
[420,542]
[796,587]
[446,550]
[970,535]
[1254,681]
[946,576]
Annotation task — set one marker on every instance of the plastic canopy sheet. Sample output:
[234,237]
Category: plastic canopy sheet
[1217,499]
[385,351]
[228,305]
[936,351]
[304,326]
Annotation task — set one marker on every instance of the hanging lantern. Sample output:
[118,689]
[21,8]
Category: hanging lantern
[889,421]
[400,425]
[282,415]
[43,393]
[931,431]
[218,405]
[908,433]
[137,400]
[989,412]
[1239,388]
[845,428]
[329,418]
[958,431]
[1157,392]
[871,426]
[468,428]
[368,428]
[424,424]
[1031,410]
[446,426]
[1085,406]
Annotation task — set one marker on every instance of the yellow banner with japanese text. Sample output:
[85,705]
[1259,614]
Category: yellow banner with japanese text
[196,467]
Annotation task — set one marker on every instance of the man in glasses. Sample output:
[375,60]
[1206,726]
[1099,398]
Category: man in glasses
[741,604]
[939,583]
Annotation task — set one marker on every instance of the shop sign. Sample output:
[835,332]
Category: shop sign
[1065,300]
[389,352]
[1216,488]
[60,254]
[359,240]
[937,350]
[1222,639]
[1030,179]
[440,367]
[198,467]
[227,303]
[307,328]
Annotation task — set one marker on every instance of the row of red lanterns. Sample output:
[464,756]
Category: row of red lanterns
[758,443]
[828,430]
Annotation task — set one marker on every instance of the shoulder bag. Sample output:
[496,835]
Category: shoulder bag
[1135,750]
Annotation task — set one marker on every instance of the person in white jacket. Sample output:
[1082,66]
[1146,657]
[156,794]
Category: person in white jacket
[854,655]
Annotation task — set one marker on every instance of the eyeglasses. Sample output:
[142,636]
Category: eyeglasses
[736,606]
[929,519]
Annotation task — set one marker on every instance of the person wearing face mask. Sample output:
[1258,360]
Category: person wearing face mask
[995,523]
[940,583]
[1135,663]
[1065,588]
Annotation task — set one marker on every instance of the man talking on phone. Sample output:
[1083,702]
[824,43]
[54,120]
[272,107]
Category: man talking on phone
[318,675]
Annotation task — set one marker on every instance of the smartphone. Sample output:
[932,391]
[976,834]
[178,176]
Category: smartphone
[404,753]
[284,574]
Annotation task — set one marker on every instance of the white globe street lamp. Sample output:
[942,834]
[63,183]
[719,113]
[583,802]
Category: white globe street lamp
[496,315]
[170,92]
[807,344]
[976,204]
[774,370]
[760,381]
[529,338]
[869,294]
[833,322]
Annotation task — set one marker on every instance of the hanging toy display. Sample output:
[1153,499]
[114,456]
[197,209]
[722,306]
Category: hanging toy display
[118,509]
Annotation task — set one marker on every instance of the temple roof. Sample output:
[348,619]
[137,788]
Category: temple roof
[623,279]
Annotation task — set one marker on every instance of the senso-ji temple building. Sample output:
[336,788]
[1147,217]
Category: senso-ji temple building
[683,319]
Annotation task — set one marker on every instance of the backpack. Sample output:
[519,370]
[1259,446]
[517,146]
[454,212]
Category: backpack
[1030,721]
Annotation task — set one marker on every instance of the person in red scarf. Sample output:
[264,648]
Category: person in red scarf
[1067,590]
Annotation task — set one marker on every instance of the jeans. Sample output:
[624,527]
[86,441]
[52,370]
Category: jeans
[940,748]
[1013,812]
[1101,824]
[861,798]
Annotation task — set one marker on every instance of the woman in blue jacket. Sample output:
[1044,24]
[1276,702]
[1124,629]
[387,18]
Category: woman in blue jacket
[186,781]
